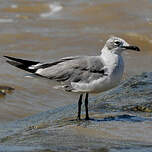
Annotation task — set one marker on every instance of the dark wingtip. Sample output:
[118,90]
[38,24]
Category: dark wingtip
[21,63]
[11,58]
[8,57]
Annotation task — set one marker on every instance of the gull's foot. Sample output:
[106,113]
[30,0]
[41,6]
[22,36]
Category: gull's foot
[87,118]
[78,119]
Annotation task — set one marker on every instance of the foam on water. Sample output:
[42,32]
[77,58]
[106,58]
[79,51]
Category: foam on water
[14,6]
[54,8]
[18,148]
[4,20]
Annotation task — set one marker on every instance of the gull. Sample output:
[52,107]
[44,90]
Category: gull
[82,74]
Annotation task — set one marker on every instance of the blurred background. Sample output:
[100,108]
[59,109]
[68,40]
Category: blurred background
[48,29]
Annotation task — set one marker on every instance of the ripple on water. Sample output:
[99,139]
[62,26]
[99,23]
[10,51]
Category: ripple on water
[6,20]
[54,8]
[29,7]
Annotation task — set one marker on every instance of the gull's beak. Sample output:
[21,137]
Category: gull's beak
[130,47]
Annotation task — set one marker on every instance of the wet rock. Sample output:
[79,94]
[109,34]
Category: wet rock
[5,90]
[134,94]
[116,123]
[143,107]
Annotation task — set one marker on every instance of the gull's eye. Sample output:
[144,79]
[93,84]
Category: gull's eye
[117,43]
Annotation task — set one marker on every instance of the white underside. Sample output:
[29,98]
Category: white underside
[100,85]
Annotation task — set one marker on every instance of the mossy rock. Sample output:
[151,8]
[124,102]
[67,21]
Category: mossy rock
[144,107]
[5,90]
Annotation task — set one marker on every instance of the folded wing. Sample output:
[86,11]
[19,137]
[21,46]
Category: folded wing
[73,69]
[82,69]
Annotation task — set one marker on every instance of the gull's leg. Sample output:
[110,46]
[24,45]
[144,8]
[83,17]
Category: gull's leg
[79,107]
[86,107]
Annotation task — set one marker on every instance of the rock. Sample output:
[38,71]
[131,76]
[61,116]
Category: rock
[134,94]
[5,90]
[116,124]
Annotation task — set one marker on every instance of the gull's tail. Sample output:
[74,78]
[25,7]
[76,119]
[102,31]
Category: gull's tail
[22,64]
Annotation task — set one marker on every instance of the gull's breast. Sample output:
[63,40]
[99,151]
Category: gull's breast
[116,73]
[112,79]
[104,83]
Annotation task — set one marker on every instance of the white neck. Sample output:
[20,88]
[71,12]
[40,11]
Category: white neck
[114,63]
[109,57]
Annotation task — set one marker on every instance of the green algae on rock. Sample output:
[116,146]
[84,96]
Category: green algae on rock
[5,90]
[143,107]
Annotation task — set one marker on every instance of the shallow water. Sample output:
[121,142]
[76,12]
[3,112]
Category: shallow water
[43,29]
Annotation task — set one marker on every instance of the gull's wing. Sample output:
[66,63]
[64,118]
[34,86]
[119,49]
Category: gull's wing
[81,69]
[73,69]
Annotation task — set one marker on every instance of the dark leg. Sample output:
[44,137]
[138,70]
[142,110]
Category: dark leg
[86,107]
[79,106]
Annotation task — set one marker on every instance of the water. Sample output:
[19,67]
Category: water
[43,29]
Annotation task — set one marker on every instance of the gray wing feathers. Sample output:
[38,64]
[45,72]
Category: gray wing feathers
[49,64]
[73,69]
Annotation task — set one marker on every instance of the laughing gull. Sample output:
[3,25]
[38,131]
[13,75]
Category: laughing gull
[83,74]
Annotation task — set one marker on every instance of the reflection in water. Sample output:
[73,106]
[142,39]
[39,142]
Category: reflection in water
[102,150]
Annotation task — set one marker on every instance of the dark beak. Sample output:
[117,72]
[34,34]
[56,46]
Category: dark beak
[135,48]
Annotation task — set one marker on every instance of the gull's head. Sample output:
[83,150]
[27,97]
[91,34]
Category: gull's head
[117,45]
